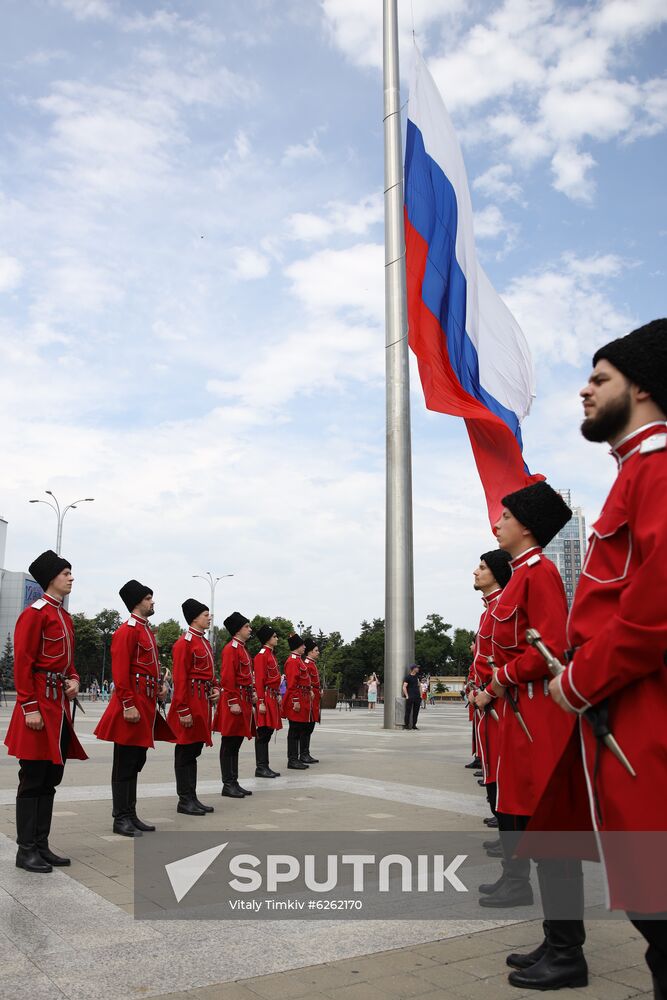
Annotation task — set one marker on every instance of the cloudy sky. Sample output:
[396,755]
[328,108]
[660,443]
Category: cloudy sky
[191,280]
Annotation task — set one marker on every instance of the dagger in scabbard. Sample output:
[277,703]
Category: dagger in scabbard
[596,716]
[512,703]
[486,708]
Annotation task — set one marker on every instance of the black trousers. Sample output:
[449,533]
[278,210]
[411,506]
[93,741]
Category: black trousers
[655,934]
[187,753]
[263,735]
[295,738]
[411,708]
[491,795]
[39,778]
[128,761]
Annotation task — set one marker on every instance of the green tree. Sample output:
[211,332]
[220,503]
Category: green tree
[166,634]
[461,655]
[433,646]
[107,621]
[87,648]
[7,664]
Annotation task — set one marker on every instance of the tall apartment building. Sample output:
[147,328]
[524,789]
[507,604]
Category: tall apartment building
[17,591]
[568,548]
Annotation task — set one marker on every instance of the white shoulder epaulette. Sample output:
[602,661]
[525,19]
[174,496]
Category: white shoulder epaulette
[235,644]
[263,649]
[293,656]
[188,636]
[656,442]
[533,560]
[39,603]
[131,621]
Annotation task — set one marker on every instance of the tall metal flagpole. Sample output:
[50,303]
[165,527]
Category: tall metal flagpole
[399,649]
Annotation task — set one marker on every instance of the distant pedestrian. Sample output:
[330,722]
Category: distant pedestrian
[412,695]
[372,689]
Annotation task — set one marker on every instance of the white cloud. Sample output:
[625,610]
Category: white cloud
[349,280]
[308,150]
[566,311]
[11,273]
[353,218]
[496,182]
[570,170]
[357,27]
[249,264]
[86,10]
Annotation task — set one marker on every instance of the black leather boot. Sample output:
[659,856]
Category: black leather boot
[186,799]
[27,856]
[235,775]
[229,788]
[305,755]
[193,786]
[487,888]
[137,823]
[523,960]
[122,821]
[293,761]
[562,963]
[44,814]
[262,769]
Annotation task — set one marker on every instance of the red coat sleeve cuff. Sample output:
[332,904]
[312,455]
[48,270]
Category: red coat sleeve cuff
[505,677]
[572,696]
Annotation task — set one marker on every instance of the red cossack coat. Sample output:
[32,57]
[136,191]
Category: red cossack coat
[267,686]
[43,646]
[488,730]
[236,681]
[618,629]
[136,676]
[298,691]
[317,690]
[194,683]
[533,598]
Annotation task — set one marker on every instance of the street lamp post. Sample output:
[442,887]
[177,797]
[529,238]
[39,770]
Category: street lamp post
[213,582]
[60,513]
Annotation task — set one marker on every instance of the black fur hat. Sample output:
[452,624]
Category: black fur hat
[498,562]
[642,357]
[235,622]
[47,567]
[310,644]
[295,642]
[192,609]
[540,509]
[132,593]
[265,632]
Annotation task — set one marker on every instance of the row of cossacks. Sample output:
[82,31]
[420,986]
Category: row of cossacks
[245,701]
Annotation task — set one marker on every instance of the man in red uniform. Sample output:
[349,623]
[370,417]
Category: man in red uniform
[297,704]
[617,637]
[195,691]
[312,651]
[534,597]
[235,718]
[269,702]
[492,574]
[131,720]
[40,731]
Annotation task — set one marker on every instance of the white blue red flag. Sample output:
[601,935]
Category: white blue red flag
[473,359]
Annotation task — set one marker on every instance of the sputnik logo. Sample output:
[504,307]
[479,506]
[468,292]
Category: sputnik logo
[186,872]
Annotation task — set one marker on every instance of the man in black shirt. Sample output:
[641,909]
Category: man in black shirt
[412,693]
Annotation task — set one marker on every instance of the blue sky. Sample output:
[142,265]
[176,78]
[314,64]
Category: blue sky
[191,280]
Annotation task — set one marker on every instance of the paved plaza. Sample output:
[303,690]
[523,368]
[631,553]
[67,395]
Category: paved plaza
[72,933]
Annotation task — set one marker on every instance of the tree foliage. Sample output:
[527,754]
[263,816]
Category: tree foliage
[7,663]
[87,648]
[166,634]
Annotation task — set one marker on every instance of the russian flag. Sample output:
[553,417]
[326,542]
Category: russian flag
[473,359]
